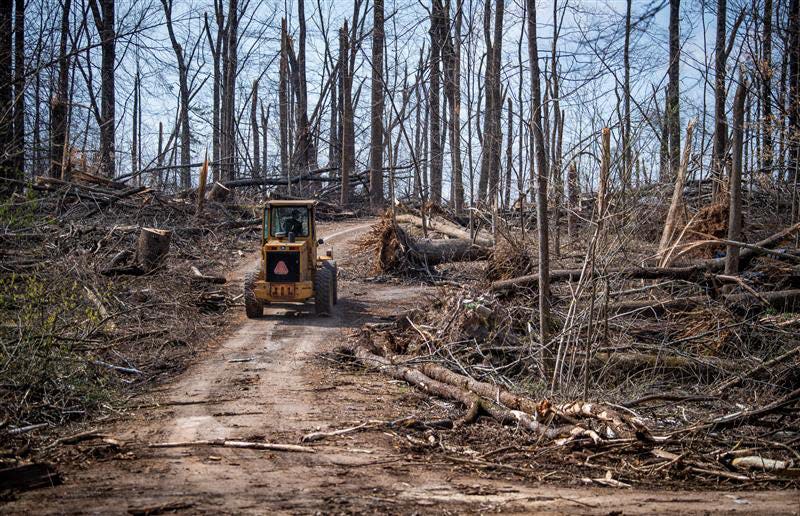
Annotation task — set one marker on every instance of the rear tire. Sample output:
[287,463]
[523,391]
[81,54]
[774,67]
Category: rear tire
[253,307]
[323,291]
[331,264]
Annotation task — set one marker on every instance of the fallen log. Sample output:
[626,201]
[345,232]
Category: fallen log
[782,300]
[688,273]
[466,398]
[694,272]
[506,407]
[434,252]
[444,228]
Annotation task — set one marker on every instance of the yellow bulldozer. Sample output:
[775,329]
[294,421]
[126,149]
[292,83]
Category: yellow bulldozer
[290,270]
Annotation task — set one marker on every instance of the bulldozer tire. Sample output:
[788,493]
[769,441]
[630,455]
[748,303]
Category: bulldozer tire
[252,306]
[331,264]
[323,291]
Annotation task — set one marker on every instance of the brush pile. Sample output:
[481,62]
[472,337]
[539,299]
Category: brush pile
[103,289]
[678,373]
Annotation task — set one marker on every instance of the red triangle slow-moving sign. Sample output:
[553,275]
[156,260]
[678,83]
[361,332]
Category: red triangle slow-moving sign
[281,269]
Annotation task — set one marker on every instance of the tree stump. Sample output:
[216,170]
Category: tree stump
[152,247]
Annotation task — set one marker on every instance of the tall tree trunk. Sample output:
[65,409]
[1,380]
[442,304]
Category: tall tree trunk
[485,137]
[228,154]
[19,87]
[436,158]
[283,102]
[735,189]
[348,132]
[58,113]
[216,51]
[497,105]
[7,162]
[376,200]
[720,118]
[183,91]
[135,126]
[105,21]
[793,129]
[452,64]
[626,136]
[673,90]
[766,91]
[509,156]
[541,192]
[256,135]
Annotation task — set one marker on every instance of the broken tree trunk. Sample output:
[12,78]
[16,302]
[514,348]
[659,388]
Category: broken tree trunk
[675,207]
[152,247]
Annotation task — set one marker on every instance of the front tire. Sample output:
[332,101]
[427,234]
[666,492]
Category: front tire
[253,307]
[323,291]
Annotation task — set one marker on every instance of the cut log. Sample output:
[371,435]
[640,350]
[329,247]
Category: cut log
[29,476]
[152,247]
[434,252]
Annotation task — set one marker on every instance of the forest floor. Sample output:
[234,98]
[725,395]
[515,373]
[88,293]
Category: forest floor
[276,379]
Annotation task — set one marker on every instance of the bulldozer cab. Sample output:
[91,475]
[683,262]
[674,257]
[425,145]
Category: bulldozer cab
[289,221]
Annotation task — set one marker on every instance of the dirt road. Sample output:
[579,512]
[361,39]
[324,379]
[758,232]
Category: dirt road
[267,381]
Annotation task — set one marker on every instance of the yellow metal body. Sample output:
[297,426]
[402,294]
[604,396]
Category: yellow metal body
[298,291]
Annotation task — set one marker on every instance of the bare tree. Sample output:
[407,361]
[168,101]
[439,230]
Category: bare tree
[436,156]
[735,187]
[348,135]
[672,111]
[104,19]
[541,192]
[215,46]
[283,101]
[19,87]
[254,128]
[376,111]
[766,90]
[183,90]
[7,164]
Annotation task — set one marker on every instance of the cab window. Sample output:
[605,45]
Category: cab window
[288,219]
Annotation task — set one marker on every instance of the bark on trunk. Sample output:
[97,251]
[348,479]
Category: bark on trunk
[254,128]
[376,116]
[7,164]
[152,247]
[735,187]
[19,88]
[348,132]
[673,102]
[104,18]
[541,192]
